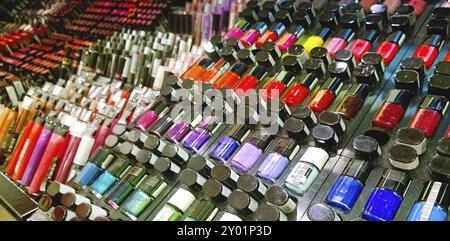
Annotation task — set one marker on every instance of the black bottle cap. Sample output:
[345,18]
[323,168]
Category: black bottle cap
[228,54]
[325,136]
[437,193]
[410,136]
[191,178]
[253,4]
[118,167]
[201,165]
[249,15]
[334,120]
[166,167]
[436,103]
[442,68]
[434,40]
[366,147]
[440,12]
[287,5]
[239,132]
[360,90]
[400,97]
[144,156]
[291,63]
[328,19]
[339,70]
[119,129]
[286,147]
[302,18]
[246,56]
[366,74]
[152,142]
[346,56]
[296,50]
[321,212]
[270,5]
[258,72]
[334,8]
[266,16]
[111,141]
[396,181]
[416,64]
[308,7]
[217,41]
[354,8]
[296,128]
[175,154]
[407,80]
[126,148]
[443,146]
[376,60]
[252,185]
[315,66]
[438,26]
[358,169]
[403,157]
[272,49]
[269,213]
[350,21]
[215,190]
[277,196]
[161,125]
[400,23]
[234,43]
[440,168]
[284,17]
[405,10]
[374,22]
[242,202]
[225,175]
[322,54]
[304,113]
[265,59]
[439,85]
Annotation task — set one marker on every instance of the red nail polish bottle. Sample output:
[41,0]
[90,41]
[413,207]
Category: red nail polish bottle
[392,110]
[326,94]
[429,49]
[250,37]
[298,92]
[340,41]
[230,78]
[276,88]
[353,101]
[429,115]
[363,44]
[390,46]
[250,81]
[447,134]
[447,57]
[418,5]
[275,31]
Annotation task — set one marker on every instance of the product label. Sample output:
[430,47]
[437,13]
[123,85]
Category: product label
[429,203]
[299,175]
[164,215]
[22,154]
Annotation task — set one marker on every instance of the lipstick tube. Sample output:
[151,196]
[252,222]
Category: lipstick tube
[363,44]
[429,115]
[250,37]
[429,49]
[274,32]
[392,110]
[290,37]
[340,41]
[390,46]
[325,95]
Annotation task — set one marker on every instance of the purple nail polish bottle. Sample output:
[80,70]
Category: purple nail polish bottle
[38,151]
[250,152]
[229,143]
[200,135]
[150,116]
[277,161]
[178,131]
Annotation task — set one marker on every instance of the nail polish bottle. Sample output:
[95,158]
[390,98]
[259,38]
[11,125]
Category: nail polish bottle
[432,204]
[386,198]
[363,44]
[146,192]
[100,161]
[250,37]
[325,95]
[266,212]
[278,85]
[150,116]
[197,69]
[442,68]
[60,213]
[290,37]
[392,110]
[280,198]
[124,187]
[251,80]
[407,80]
[200,135]
[353,101]
[317,40]
[296,128]
[321,212]
[201,165]
[348,186]
[390,46]
[229,143]
[238,29]
[180,129]
[252,185]
[439,168]
[110,177]
[429,49]
[304,113]
[321,53]
[376,60]
[297,93]
[340,41]
[174,208]
[403,157]
[202,211]
[414,64]
[334,120]
[89,212]
[230,78]
[325,136]
[411,137]
[175,153]
[306,170]
[274,32]
[276,162]
[429,115]
[243,202]
[439,85]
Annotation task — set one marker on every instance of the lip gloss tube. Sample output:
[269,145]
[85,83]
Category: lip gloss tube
[274,32]
[340,41]
[390,46]
[429,115]
[250,81]
[290,37]
[38,151]
[363,44]
[151,115]
[250,37]
[21,123]
[298,92]
[392,110]
[429,49]
[53,151]
[353,101]
[100,136]
[325,95]
[238,29]
[9,121]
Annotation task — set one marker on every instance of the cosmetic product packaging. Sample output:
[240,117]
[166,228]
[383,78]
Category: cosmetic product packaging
[325,137]
[340,41]
[334,120]
[251,80]
[250,152]
[306,170]
[192,179]
[280,198]
[390,46]
[197,138]
[218,192]
[443,146]
[100,136]
[71,200]
[325,95]
[109,177]
[8,125]
[438,168]
[238,29]
[432,204]
[197,69]
[94,168]
[439,85]
[204,210]
[146,192]
[176,206]
[386,198]
[349,185]
[266,212]
[271,35]
[298,92]
[231,77]
[392,110]
[353,101]
[290,37]
[317,40]
[243,202]
[363,44]
[429,49]
[276,162]
[228,144]
[60,213]
[252,185]
[124,187]
[150,116]
[304,113]
[321,212]
[250,37]
[89,212]
[403,157]
[429,115]
[23,118]
[181,128]
[414,138]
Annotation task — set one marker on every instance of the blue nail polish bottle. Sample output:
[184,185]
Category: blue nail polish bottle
[229,143]
[433,203]
[111,175]
[386,198]
[101,160]
[349,185]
